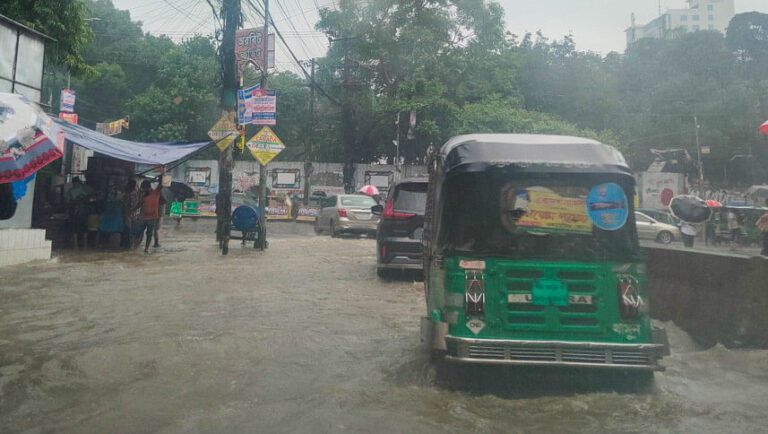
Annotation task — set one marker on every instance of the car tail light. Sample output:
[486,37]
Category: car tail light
[383,251]
[629,300]
[184,207]
[390,213]
[342,212]
[475,292]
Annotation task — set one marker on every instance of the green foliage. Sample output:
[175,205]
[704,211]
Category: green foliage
[64,21]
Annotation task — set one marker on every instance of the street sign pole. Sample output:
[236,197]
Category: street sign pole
[263,167]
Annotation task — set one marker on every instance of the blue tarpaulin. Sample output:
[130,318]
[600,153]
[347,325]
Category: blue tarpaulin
[156,154]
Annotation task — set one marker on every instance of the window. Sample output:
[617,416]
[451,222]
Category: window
[361,200]
[710,7]
[411,197]
[711,17]
[695,28]
[695,18]
[685,28]
[641,218]
[711,27]
[683,18]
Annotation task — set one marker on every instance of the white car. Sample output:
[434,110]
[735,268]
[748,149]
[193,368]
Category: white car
[652,229]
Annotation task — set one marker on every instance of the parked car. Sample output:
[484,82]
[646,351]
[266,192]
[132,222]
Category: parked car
[651,229]
[398,236]
[660,216]
[347,214]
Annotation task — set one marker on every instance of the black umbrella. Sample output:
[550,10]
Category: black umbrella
[690,208]
[180,191]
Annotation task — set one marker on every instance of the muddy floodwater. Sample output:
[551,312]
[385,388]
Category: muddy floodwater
[301,338]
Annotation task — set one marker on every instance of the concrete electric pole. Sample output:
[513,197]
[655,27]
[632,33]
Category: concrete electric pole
[311,135]
[232,19]
[263,168]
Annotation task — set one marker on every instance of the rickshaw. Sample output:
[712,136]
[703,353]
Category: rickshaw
[531,257]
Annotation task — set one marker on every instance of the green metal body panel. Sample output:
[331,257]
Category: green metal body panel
[192,208]
[546,316]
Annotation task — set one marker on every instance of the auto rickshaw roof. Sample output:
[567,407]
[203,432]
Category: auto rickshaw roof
[531,152]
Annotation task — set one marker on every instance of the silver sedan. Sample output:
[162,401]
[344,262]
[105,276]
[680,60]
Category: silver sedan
[347,214]
[651,229]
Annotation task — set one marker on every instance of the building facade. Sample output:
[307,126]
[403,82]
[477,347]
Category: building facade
[22,52]
[699,15]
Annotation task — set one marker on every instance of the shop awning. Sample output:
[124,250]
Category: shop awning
[155,154]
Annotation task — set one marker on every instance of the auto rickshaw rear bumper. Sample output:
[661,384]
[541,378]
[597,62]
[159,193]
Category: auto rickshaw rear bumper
[546,352]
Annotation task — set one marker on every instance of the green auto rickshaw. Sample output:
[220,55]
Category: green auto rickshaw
[531,256]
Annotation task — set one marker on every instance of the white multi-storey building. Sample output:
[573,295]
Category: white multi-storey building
[700,15]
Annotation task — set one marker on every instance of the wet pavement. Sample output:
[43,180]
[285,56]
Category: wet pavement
[301,338]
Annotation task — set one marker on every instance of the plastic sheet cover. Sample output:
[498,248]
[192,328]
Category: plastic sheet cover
[155,154]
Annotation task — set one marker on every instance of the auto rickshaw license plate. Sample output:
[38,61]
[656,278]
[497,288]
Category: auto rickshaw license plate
[528,299]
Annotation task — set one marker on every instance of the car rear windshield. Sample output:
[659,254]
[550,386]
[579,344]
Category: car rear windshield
[365,201]
[411,197]
[536,217]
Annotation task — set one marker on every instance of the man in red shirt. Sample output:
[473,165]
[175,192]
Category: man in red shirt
[150,210]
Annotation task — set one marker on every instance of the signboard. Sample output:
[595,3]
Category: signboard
[68,117]
[256,106]
[224,132]
[607,206]
[112,128]
[249,46]
[658,188]
[286,178]
[549,210]
[265,146]
[198,176]
[67,101]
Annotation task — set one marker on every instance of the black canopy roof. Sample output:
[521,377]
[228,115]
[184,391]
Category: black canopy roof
[531,152]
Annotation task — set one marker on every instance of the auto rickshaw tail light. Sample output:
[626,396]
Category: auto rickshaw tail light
[629,300]
[474,292]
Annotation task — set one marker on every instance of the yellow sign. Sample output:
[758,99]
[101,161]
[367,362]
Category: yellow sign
[224,132]
[548,210]
[265,146]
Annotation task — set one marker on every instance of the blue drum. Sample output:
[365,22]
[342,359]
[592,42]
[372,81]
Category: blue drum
[245,218]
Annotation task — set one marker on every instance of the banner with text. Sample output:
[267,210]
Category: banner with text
[249,46]
[256,106]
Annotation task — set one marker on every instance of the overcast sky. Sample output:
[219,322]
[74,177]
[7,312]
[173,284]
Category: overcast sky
[596,25]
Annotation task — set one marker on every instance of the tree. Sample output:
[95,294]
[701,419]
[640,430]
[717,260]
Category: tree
[747,38]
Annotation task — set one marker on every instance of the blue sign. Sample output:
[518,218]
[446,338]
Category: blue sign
[607,206]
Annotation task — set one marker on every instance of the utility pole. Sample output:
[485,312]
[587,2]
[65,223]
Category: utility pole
[397,147]
[698,151]
[348,133]
[231,17]
[263,168]
[311,135]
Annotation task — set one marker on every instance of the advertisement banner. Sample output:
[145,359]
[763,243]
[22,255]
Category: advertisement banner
[67,101]
[548,210]
[249,46]
[112,128]
[256,106]
[224,132]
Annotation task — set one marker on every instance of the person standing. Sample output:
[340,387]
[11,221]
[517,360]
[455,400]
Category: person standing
[77,210]
[131,215]
[689,234]
[762,224]
[150,210]
[733,227]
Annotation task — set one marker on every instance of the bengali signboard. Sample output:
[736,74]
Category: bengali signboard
[549,210]
[224,132]
[249,48]
[265,146]
[68,117]
[67,101]
[256,106]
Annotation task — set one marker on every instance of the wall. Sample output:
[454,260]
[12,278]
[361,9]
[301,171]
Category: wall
[714,297]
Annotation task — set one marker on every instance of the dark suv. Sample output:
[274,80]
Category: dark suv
[398,234]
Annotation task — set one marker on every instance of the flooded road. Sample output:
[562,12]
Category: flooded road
[300,338]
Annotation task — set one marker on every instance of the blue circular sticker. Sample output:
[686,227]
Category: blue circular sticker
[607,206]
